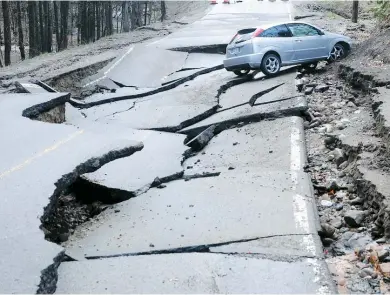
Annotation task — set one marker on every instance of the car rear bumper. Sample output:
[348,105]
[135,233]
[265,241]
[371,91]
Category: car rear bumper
[245,62]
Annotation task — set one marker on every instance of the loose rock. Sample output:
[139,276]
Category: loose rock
[326,203]
[327,230]
[357,201]
[327,242]
[338,156]
[382,254]
[309,90]
[332,185]
[343,165]
[322,88]
[354,217]
[337,222]
[385,267]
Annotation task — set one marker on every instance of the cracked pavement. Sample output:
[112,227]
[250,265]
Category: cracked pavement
[236,216]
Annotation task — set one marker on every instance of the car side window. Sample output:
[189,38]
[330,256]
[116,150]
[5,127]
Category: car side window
[271,32]
[302,30]
[283,31]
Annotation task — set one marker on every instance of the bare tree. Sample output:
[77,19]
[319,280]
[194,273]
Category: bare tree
[125,17]
[20,31]
[37,21]
[64,12]
[92,23]
[109,26]
[7,33]
[98,20]
[42,44]
[163,11]
[146,11]
[355,11]
[56,26]
[48,35]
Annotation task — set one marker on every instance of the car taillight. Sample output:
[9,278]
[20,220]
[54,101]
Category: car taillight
[257,32]
[233,38]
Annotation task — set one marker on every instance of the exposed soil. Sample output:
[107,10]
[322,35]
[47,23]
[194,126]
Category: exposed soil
[69,213]
[343,138]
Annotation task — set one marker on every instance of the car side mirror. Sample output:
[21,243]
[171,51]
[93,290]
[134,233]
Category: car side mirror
[321,33]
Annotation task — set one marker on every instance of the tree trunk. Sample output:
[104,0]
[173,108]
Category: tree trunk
[42,44]
[20,31]
[163,11]
[56,26]
[13,12]
[64,11]
[7,33]
[125,17]
[1,52]
[117,18]
[37,35]
[355,11]
[109,24]
[48,29]
[136,14]
[97,20]
[146,12]
[84,22]
[25,16]
[133,18]
[92,22]
[31,29]
[71,22]
[79,21]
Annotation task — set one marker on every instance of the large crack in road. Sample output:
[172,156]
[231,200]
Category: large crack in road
[107,195]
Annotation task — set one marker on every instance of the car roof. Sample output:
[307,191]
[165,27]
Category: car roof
[269,25]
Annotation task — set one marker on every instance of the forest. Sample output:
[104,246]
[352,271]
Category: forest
[38,27]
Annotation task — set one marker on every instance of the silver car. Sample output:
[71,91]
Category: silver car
[270,47]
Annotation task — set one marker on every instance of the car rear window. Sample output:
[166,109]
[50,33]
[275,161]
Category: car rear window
[243,35]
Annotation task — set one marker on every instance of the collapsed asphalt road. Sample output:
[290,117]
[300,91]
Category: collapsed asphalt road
[231,212]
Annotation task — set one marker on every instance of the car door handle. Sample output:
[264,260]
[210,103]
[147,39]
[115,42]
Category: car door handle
[298,40]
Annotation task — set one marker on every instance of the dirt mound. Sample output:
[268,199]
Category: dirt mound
[375,48]
[341,8]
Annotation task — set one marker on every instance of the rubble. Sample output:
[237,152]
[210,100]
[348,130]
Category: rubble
[346,136]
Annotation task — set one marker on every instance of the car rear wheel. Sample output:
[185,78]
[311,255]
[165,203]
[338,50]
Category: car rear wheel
[338,52]
[270,65]
[241,72]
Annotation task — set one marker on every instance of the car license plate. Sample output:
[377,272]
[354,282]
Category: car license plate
[235,50]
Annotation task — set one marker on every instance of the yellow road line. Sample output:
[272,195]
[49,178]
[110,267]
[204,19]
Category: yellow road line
[47,150]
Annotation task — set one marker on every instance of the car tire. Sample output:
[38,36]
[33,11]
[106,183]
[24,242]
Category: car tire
[338,52]
[270,65]
[241,73]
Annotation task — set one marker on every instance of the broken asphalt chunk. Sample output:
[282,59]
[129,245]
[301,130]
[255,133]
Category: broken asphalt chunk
[201,140]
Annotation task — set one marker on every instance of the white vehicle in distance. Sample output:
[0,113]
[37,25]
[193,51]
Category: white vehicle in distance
[272,46]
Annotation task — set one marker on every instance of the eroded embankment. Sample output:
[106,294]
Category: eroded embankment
[347,139]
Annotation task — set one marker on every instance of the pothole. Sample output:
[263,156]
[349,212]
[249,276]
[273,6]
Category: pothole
[79,203]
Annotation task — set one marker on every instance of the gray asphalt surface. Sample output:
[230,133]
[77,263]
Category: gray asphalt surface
[248,227]
[37,155]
